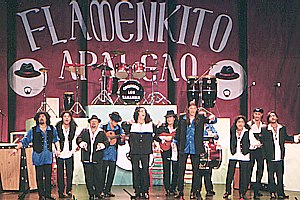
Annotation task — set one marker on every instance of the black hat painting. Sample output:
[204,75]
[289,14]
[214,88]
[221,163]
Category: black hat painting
[27,71]
[227,73]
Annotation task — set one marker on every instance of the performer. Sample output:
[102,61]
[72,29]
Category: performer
[42,136]
[210,135]
[92,141]
[141,131]
[273,137]
[240,141]
[112,130]
[257,154]
[189,139]
[166,133]
[66,129]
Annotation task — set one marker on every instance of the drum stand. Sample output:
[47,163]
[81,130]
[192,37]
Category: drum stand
[77,107]
[103,96]
[155,97]
[45,107]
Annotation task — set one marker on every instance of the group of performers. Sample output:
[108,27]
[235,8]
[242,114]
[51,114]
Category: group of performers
[176,138]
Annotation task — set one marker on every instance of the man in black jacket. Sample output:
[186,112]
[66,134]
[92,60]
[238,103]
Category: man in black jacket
[66,129]
[273,138]
[92,141]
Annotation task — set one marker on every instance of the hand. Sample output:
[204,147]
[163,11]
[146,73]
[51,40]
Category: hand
[212,117]
[14,152]
[100,146]
[123,137]
[131,121]
[83,145]
[57,153]
[159,123]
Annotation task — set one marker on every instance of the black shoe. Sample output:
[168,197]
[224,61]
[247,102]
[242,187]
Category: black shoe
[225,195]
[284,196]
[63,196]
[69,194]
[91,197]
[210,193]
[99,196]
[109,194]
[179,195]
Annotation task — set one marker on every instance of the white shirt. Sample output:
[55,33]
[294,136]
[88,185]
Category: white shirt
[277,152]
[93,137]
[66,153]
[254,126]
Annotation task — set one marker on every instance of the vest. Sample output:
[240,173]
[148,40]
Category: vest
[38,140]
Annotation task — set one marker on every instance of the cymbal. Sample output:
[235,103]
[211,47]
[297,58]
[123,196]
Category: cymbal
[43,69]
[117,52]
[76,69]
[101,67]
[147,52]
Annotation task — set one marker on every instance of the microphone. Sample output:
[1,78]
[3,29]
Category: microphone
[252,84]
[1,113]
[278,84]
[298,85]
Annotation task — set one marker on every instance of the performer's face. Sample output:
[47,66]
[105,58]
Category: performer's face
[142,113]
[192,110]
[94,123]
[42,119]
[113,123]
[257,116]
[273,118]
[170,120]
[240,124]
[66,118]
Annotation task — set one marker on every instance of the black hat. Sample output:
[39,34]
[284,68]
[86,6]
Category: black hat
[94,117]
[27,71]
[170,113]
[227,73]
[258,110]
[115,116]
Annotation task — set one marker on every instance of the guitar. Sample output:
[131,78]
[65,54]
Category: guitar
[167,137]
[112,137]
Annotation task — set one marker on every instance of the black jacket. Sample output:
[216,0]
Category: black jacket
[180,135]
[38,139]
[268,142]
[62,137]
[85,137]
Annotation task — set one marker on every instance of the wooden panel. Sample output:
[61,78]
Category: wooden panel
[10,169]
[31,169]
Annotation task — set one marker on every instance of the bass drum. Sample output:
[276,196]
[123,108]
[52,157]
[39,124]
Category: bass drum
[131,92]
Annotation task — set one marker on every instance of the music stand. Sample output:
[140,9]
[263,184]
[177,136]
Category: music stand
[78,69]
[155,96]
[44,105]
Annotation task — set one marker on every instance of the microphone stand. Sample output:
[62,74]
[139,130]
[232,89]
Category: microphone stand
[2,116]
[250,97]
[276,85]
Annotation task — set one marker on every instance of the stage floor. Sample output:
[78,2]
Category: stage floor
[156,192]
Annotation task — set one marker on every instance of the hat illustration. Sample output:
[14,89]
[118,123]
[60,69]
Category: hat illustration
[227,73]
[94,117]
[170,113]
[27,71]
[115,116]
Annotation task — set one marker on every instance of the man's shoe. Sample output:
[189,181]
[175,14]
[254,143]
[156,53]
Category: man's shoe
[69,194]
[210,193]
[283,196]
[62,196]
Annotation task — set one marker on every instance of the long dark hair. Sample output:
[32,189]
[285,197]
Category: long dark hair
[72,122]
[175,125]
[136,115]
[37,116]
[269,114]
[234,127]
[191,103]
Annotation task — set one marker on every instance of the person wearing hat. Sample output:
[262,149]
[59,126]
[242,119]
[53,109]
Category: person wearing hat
[189,139]
[256,154]
[115,134]
[92,141]
[166,133]
[141,132]
[42,136]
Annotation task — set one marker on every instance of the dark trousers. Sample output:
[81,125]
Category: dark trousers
[195,158]
[167,163]
[93,177]
[140,172]
[109,169]
[206,173]
[243,179]
[43,179]
[63,164]
[257,155]
[275,167]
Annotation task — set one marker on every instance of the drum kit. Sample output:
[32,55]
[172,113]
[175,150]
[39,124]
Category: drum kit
[131,91]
